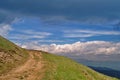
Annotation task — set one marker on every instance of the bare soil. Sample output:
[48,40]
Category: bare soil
[32,69]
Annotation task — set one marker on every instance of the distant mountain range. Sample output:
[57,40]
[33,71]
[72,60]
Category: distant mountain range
[107,71]
[115,65]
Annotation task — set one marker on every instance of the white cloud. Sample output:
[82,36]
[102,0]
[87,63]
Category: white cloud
[4,29]
[93,50]
[25,37]
[36,32]
[29,34]
[74,35]
[78,48]
[88,33]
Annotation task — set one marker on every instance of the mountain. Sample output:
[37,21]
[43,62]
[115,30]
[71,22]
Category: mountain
[21,64]
[107,71]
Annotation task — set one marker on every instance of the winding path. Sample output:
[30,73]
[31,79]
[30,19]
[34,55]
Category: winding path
[32,69]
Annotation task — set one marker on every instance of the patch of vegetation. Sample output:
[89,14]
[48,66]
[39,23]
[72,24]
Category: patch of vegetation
[62,68]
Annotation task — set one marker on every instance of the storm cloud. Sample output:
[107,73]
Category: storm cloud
[91,11]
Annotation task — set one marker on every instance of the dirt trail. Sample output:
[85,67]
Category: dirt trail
[32,69]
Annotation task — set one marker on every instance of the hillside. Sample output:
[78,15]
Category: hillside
[61,68]
[10,55]
[20,64]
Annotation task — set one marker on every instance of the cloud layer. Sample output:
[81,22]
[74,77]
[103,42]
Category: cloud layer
[88,33]
[91,11]
[88,50]
[29,34]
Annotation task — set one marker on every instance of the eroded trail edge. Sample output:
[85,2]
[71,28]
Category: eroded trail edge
[32,69]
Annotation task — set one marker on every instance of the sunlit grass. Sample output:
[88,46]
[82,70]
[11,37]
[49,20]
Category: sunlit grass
[61,68]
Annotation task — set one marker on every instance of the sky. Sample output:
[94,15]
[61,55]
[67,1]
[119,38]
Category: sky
[84,29]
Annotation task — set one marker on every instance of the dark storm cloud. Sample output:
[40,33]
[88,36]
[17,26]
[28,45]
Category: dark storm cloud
[67,9]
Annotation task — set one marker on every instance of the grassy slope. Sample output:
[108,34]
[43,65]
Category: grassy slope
[57,67]
[10,55]
[61,68]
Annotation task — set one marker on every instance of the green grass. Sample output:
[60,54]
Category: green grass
[13,55]
[62,68]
